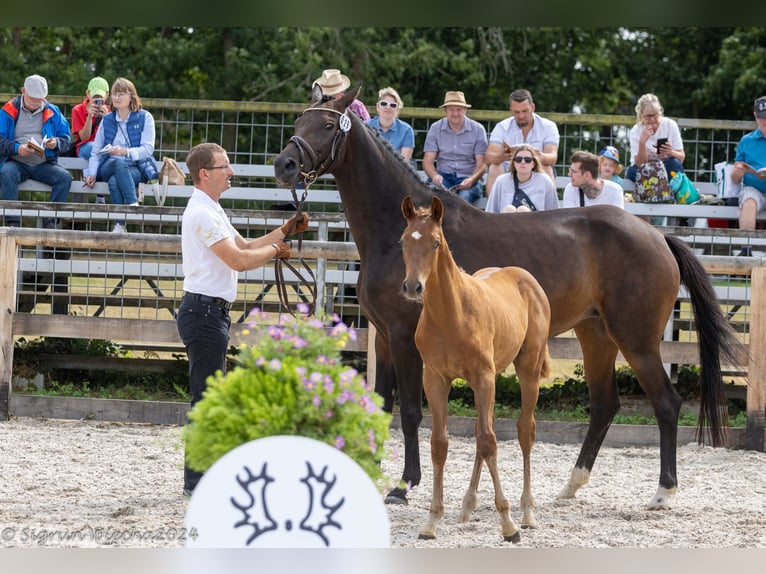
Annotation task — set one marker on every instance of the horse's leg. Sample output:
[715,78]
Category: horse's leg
[471,494]
[667,405]
[385,377]
[599,353]
[409,379]
[528,371]
[437,390]
[486,448]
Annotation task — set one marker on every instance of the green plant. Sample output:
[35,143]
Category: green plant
[290,380]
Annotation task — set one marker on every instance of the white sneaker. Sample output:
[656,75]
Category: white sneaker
[119,228]
[135,203]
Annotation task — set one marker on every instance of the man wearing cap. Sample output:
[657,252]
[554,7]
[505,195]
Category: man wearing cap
[26,117]
[751,155]
[334,84]
[524,126]
[87,115]
[453,154]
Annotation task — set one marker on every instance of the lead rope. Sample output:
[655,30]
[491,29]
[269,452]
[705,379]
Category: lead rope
[279,279]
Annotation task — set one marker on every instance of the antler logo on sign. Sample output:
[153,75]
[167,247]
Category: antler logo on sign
[305,494]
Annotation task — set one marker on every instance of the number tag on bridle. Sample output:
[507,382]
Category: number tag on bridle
[344,123]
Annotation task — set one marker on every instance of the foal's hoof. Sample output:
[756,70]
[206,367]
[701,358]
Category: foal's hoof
[515,537]
[397,496]
[426,536]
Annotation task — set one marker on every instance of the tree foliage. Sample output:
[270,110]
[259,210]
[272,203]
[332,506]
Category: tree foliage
[696,72]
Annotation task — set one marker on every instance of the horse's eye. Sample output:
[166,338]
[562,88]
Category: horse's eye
[329,126]
[437,243]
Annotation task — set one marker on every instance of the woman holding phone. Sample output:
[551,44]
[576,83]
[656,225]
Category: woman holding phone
[86,116]
[654,137]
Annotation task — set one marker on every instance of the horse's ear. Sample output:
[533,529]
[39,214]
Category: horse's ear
[316,94]
[437,209]
[408,209]
[349,97]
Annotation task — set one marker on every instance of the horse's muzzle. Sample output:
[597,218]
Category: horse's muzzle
[412,290]
[286,169]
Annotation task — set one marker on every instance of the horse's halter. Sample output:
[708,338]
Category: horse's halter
[320,166]
[309,177]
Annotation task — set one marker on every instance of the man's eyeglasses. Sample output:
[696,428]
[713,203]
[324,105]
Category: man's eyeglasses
[225,166]
[519,159]
[385,104]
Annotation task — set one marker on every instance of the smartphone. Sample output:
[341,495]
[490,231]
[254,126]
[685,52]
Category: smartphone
[98,101]
[660,143]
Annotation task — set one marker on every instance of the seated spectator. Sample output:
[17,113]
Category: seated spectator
[586,188]
[334,85]
[524,126]
[124,140]
[751,156]
[526,186]
[650,129]
[26,117]
[398,133]
[609,164]
[87,115]
[456,145]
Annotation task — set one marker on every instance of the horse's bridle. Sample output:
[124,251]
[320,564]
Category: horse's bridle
[320,166]
[309,177]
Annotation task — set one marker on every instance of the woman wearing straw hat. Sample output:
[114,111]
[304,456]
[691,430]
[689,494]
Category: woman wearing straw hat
[335,84]
[459,144]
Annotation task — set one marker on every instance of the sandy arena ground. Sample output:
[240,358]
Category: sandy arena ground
[94,484]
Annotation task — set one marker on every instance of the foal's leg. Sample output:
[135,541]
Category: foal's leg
[528,370]
[437,393]
[486,448]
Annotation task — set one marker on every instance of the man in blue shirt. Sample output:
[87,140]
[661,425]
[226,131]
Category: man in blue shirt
[31,117]
[459,143]
[750,158]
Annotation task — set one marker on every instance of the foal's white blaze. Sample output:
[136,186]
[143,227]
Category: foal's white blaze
[416,235]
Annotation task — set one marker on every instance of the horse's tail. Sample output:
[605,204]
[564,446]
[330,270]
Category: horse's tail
[715,338]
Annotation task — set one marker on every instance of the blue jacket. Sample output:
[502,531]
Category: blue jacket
[54,125]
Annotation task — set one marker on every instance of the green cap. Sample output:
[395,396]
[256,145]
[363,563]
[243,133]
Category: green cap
[98,86]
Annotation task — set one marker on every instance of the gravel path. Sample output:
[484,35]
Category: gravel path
[90,484]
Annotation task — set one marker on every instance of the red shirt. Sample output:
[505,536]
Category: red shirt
[79,117]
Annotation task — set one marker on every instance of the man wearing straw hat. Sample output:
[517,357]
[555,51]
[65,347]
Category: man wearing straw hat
[456,144]
[334,84]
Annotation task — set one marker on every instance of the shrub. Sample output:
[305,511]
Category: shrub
[290,380]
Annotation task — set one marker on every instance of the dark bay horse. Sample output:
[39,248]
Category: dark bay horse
[474,326]
[608,275]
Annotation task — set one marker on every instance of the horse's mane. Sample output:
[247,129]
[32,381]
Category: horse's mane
[424,192]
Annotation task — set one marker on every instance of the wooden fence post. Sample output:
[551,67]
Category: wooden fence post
[756,370]
[7,307]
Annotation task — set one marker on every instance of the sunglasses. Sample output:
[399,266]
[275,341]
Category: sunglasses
[519,159]
[385,104]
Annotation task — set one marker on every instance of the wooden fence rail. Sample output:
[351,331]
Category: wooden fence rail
[13,323]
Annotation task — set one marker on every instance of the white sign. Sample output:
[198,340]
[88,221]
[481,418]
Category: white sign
[286,492]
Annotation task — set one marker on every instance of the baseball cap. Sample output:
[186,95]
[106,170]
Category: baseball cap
[98,86]
[760,107]
[610,152]
[36,86]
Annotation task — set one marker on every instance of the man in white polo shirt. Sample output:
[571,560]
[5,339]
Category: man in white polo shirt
[213,253]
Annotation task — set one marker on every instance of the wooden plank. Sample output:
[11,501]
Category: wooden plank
[8,256]
[756,390]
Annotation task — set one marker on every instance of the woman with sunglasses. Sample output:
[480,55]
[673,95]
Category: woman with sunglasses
[526,187]
[398,133]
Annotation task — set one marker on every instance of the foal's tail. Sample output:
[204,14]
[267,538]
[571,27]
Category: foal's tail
[716,341]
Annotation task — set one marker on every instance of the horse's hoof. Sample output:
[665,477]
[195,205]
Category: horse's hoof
[529,526]
[397,496]
[515,537]
[425,536]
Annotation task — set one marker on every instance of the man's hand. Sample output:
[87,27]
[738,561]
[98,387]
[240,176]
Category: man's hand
[301,224]
[282,250]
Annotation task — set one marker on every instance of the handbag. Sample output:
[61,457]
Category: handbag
[722,176]
[519,197]
[148,169]
[171,173]
[652,185]
[683,188]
